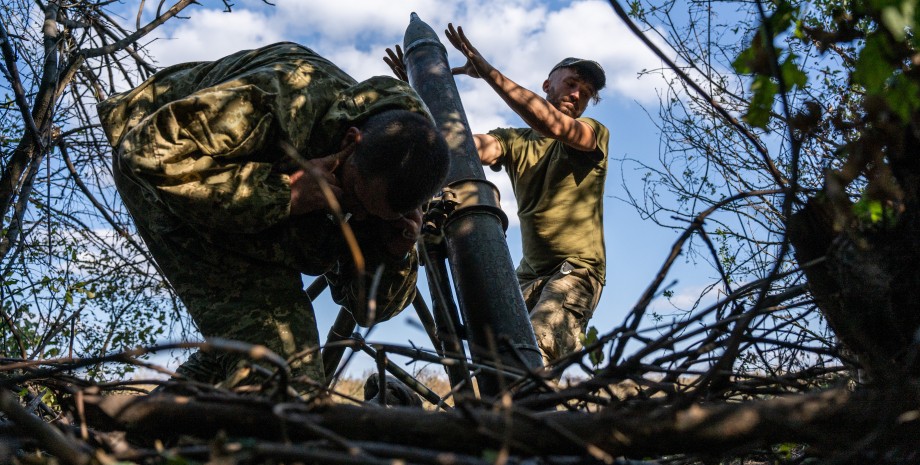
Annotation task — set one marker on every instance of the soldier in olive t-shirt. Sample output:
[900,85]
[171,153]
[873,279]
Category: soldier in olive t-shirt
[557,166]
[559,191]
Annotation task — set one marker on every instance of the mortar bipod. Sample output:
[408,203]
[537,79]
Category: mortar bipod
[449,330]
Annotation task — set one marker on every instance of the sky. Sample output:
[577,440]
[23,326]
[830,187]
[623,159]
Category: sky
[523,39]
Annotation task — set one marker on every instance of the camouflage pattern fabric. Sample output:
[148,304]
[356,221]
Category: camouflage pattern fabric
[198,164]
[560,307]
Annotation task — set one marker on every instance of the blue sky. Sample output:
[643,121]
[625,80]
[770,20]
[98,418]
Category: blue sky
[522,38]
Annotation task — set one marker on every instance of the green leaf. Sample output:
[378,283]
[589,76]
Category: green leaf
[799,31]
[873,211]
[792,74]
[903,96]
[788,450]
[590,337]
[754,59]
[872,70]
[742,64]
[898,19]
[783,16]
[636,10]
[764,90]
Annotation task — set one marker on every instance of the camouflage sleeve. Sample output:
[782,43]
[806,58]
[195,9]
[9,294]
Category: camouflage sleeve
[395,290]
[199,156]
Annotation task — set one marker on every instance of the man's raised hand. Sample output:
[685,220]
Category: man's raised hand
[476,66]
[396,63]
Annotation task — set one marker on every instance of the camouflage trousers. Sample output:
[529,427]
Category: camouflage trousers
[260,304]
[229,295]
[281,320]
[560,307]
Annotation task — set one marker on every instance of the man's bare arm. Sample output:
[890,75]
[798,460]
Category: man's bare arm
[539,114]
[490,151]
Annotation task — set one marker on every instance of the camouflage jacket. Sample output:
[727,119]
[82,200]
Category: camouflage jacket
[200,143]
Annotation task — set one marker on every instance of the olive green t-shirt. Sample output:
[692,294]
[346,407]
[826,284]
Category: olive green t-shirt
[560,197]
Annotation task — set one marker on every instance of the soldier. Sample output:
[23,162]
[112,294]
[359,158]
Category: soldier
[557,167]
[232,220]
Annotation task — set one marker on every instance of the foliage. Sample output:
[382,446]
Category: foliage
[799,74]
[788,165]
[74,281]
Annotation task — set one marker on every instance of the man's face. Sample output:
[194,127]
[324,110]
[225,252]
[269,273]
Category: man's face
[568,92]
[363,197]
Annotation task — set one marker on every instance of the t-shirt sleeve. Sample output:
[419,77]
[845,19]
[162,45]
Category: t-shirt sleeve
[601,136]
[506,138]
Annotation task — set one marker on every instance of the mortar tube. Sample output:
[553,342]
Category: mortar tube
[496,319]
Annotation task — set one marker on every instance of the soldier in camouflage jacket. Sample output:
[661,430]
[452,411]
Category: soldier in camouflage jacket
[201,161]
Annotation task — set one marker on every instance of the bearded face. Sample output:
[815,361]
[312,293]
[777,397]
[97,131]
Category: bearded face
[568,92]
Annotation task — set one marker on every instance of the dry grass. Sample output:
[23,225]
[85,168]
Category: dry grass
[353,387]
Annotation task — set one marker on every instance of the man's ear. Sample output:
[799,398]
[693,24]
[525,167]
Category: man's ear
[546,85]
[352,136]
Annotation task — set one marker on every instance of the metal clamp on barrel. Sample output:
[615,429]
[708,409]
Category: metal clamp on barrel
[473,195]
[424,41]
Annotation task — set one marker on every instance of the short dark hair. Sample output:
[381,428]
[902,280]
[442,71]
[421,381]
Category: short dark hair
[407,152]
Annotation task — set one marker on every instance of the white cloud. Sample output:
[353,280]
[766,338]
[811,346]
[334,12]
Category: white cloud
[523,38]
[586,29]
[211,34]
[346,21]
[483,107]
[357,63]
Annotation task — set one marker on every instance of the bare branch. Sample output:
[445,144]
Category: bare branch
[139,33]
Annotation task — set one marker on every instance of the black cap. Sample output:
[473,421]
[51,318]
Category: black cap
[587,69]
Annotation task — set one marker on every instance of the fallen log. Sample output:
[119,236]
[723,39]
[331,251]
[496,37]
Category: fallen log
[831,421]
